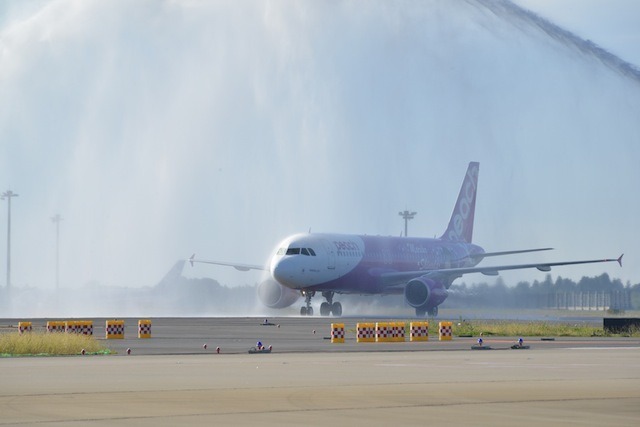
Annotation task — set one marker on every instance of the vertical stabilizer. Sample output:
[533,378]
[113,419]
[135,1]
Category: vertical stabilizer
[461,223]
[172,277]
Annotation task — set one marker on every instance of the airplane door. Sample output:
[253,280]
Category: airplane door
[331,256]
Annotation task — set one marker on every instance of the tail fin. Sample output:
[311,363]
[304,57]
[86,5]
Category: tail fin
[461,223]
[173,275]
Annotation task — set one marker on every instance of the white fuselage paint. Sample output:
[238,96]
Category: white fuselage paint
[340,255]
[335,256]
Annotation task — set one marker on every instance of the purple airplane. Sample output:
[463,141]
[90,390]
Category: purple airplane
[421,268]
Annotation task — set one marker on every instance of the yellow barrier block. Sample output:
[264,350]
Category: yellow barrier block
[445,331]
[114,329]
[24,327]
[366,332]
[419,331]
[56,326]
[144,328]
[70,326]
[84,327]
[398,331]
[337,333]
[394,331]
[383,332]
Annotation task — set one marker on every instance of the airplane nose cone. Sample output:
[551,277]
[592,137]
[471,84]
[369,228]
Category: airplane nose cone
[283,271]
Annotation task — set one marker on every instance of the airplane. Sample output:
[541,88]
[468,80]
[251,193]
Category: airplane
[173,276]
[421,268]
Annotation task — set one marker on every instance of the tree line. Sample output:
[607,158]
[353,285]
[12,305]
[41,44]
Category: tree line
[548,293]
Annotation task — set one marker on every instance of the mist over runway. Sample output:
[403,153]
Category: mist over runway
[160,129]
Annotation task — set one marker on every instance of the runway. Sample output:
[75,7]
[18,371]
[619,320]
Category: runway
[235,335]
[306,379]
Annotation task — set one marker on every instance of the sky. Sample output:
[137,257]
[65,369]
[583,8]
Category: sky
[612,24]
[158,129]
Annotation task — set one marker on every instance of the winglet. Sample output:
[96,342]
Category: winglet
[620,260]
[191,259]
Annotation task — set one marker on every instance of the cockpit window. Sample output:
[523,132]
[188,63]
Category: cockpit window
[296,251]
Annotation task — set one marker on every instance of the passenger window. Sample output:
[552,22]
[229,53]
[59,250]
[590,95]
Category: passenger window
[304,251]
[312,252]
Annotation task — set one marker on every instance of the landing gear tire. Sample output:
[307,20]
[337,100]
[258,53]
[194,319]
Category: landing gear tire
[325,309]
[433,312]
[307,310]
[420,312]
[336,309]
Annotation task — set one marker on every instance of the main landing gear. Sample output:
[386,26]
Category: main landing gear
[326,308]
[330,307]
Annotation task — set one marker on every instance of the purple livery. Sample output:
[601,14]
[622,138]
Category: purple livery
[420,268]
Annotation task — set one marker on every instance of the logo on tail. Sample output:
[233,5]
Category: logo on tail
[461,223]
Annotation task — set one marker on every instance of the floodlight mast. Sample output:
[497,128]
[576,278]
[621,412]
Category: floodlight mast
[407,216]
[8,195]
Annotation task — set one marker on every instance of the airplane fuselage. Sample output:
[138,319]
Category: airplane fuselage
[346,263]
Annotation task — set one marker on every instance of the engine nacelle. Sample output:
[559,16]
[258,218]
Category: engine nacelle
[274,295]
[425,293]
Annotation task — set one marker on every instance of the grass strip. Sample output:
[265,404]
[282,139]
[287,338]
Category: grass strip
[532,329]
[49,344]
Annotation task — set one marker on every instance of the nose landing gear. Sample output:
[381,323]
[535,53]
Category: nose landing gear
[307,310]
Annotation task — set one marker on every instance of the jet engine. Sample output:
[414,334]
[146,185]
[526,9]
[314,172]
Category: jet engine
[425,294]
[274,295]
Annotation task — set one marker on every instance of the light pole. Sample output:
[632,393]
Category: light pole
[407,216]
[8,195]
[56,219]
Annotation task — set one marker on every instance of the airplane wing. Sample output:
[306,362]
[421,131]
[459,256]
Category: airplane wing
[241,267]
[521,251]
[394,278]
